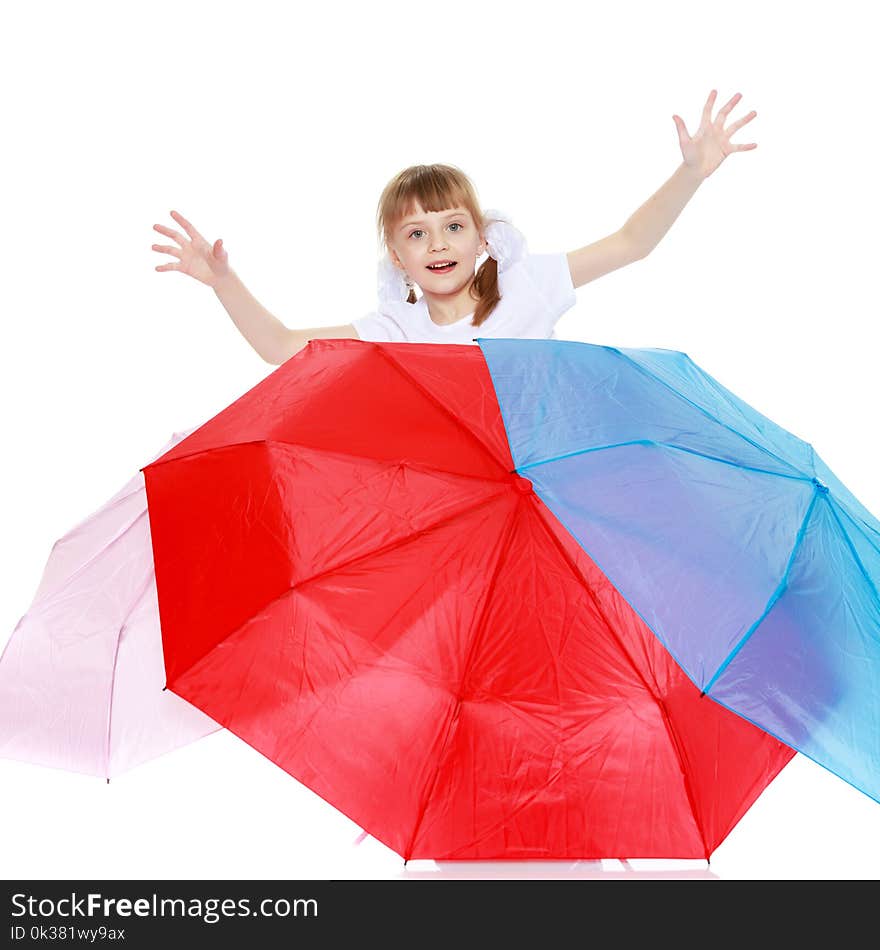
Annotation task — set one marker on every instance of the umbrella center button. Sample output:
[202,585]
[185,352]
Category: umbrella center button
[820,486]
[523,485]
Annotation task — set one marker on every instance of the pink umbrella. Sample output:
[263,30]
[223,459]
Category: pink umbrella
[82,676]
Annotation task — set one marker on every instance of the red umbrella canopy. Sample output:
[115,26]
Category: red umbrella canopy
[353,578]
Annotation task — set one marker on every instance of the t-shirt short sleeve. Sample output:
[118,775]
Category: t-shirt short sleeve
[378,328]
[551,276]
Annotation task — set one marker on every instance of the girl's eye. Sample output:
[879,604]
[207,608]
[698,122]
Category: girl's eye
[455,224]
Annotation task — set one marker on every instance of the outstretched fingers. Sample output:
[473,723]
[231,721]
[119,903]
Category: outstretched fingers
[706,117]
[170,232]
[741,122]
[190,230]
[168,249]
[724,111]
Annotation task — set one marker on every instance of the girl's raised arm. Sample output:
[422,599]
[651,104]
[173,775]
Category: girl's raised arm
[209,264]
[602,256]
[701,154]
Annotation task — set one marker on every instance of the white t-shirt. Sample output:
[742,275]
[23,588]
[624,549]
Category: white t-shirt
[535,292]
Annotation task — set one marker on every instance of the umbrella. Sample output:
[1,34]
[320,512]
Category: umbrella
[355,578]
[82,674]
[730,536]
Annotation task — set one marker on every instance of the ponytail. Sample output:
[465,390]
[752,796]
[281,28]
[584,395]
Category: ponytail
[484,290]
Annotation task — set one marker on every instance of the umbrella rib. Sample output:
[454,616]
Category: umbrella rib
[144,588]
[853,551]
[860,524]
[668,445]
[341,565]
[481,623]
[94,557]
[331,452]
[676,745]
[698,407]
[859,521]
[653,693]
[445,409]
[777,593]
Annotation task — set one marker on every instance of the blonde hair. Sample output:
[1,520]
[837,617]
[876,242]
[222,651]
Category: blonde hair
[436,188]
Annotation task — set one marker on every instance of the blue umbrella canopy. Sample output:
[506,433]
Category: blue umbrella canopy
[734,541]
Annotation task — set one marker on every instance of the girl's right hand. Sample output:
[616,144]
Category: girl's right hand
[196,256]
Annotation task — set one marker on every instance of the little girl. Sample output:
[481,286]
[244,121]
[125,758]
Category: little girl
[97,597]
[428,215]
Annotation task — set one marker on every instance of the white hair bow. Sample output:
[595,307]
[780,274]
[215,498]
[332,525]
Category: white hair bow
[506,243]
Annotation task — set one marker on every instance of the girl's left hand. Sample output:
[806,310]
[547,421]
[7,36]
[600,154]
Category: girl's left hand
[711,144]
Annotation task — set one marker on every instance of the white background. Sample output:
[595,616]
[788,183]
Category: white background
[275,126]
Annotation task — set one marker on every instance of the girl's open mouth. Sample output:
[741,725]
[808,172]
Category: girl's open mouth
[445,269]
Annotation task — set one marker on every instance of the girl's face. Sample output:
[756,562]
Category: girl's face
[424,237]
